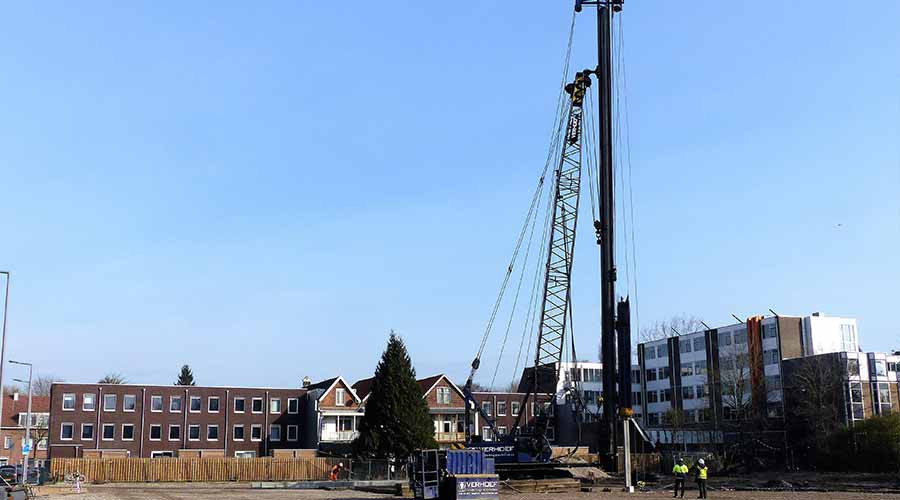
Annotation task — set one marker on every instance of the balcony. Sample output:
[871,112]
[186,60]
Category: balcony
[449,437]
[339,435]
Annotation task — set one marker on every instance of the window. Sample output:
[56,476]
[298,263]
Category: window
[650,353]
[339,397]
[109,402]
[700,368]
[68,401]
[486,407]
[238,432]
[109,432]
[653,419]
[175,404]
[690,416]
[724,339]
[156,403]
[501,431]
[856,392]
[443,395]
[665,395]
[213,404]
[853,367]
[256,432]
[882,392]
[88,402]
[728,363]
[8,443]
[212,432]
[501,408]
[174,432]
[651,374]
[239,405]
[195,404]
[699,344]
[687,369]
[292,432]
[245,454]
[769,331]
[662,351]
[161,454]
[773,382]
[701,391]
[275,403]
[256,405]
[486,433]
[514,408]
[591,397]
[664,373]
[293,405]
[770,357]
[652,397]
[155,432]
[127,432]
[636,397]
[193,433]
[848,338]
[87,431]
[274,432]
[684,346]
[129,402]
[67,430]
[740,337]
[635,375]
[879,369]
[687,392]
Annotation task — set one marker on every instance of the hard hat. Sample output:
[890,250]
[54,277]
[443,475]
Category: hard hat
[342,463]
[701,462]
[680,460]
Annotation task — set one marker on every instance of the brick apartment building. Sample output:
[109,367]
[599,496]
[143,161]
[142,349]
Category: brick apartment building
[113,420]
[504,408]
[12,429]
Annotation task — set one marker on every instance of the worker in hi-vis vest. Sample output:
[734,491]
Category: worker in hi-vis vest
[680,470]
[701,474]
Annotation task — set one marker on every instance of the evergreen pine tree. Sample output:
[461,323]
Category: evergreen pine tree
[186,377]
[396,421]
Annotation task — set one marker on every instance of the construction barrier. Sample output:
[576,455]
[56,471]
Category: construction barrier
[193,469]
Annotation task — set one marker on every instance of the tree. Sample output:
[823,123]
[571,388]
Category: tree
[186,377]
[113,378]
[659,330]
[396,421]
[816,401]
[40,386]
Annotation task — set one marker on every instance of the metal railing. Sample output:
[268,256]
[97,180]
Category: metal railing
[339,435]
[449,437]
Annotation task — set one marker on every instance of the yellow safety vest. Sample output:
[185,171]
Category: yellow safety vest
[680,469]
[702,472]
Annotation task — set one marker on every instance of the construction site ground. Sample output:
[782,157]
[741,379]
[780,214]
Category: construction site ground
[774,486]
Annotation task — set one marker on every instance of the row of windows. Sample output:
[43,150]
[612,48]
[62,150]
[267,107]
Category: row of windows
[108,433]
[695,368]
[129,403]
[660,373]
[737,337]
[653,352]
[697,345]
[9,443]
[586,374]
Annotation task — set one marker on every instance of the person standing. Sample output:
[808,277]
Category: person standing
[680,470]
[701,474]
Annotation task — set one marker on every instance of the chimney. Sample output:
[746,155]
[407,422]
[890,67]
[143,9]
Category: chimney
[306,382]
[16,396]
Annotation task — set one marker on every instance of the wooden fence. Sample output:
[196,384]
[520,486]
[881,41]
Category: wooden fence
[193,469]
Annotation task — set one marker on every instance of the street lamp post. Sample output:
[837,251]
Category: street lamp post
[26,449]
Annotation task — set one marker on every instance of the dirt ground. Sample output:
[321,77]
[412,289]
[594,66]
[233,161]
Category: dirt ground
[210,493]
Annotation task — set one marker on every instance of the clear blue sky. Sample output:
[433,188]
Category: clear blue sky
[264,190]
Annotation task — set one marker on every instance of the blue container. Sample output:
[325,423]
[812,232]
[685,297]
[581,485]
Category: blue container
[466,462]
[489,466]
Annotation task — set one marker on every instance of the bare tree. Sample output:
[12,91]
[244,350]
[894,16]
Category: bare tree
[40,386]
[817,394]
[113,378]
[682,324]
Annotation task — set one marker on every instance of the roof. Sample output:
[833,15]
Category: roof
[324,385]
[363,387]
[425,384]
[12,408]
